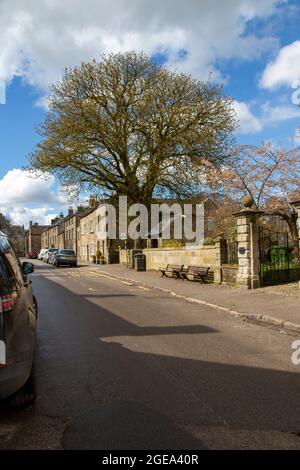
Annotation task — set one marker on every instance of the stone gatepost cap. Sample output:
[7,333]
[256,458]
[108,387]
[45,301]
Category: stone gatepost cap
[247,211]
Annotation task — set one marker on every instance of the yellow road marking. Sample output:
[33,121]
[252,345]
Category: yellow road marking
[106,277]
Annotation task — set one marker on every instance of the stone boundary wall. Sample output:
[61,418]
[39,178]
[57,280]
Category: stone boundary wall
[160,257]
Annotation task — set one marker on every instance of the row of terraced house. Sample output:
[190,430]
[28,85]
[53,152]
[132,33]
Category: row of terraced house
[79,231]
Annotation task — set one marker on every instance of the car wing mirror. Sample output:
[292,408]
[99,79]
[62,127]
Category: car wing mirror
[27,267]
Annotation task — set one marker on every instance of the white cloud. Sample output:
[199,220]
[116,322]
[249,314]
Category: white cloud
[19,185]
[39,40]
[248,123]
[279,113]
[285,69]
[24,197]
[22,215]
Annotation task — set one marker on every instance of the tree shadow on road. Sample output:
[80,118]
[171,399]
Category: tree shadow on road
[85,371]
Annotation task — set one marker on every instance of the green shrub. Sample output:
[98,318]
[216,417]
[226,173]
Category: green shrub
[98,254]
[172,244]
[208,241]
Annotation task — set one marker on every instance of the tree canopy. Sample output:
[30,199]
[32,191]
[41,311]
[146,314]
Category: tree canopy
[125,125]
[270,175]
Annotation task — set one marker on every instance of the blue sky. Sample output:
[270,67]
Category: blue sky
[251,46]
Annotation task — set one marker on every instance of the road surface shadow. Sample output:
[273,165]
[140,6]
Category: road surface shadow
[126,425]
[118,397]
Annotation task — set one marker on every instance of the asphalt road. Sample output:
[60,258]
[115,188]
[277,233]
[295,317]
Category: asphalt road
[124,367]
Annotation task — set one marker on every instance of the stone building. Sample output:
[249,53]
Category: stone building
[45,238]
[33,237]
[61,235]
[70,224]
[53,235]
[92,235]
[87,234]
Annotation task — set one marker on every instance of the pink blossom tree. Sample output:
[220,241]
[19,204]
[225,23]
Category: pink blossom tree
[270,175]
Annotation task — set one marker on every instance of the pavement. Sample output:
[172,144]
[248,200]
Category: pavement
[275,305]
[124,366]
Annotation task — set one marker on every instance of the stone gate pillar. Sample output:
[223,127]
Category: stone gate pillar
[248,246]
[296,204]
[221,248]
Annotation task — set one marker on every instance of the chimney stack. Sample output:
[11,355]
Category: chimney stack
[93,201]
[70,211]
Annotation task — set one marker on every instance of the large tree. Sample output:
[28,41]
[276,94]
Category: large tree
[270,175]
[124,125]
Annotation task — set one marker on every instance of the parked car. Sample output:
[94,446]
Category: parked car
[18,315]
[67,257]
[48,253]
[51,256]
[32,255]
[42,253]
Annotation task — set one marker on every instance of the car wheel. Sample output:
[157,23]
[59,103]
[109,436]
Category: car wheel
[27,394]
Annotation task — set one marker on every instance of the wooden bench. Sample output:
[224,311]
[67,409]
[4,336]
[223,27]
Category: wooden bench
[197,273]
[173,270]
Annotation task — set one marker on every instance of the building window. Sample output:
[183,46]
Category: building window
[83,229]
[83,250]
[92,227]
[210,223]
[92,249]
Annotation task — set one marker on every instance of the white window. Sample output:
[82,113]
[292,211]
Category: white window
[83,250]
[83,229]
[92,249]
[92,227]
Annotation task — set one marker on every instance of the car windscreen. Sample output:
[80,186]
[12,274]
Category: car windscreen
[67,252]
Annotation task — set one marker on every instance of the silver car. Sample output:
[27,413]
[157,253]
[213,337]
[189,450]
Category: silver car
[65,257]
